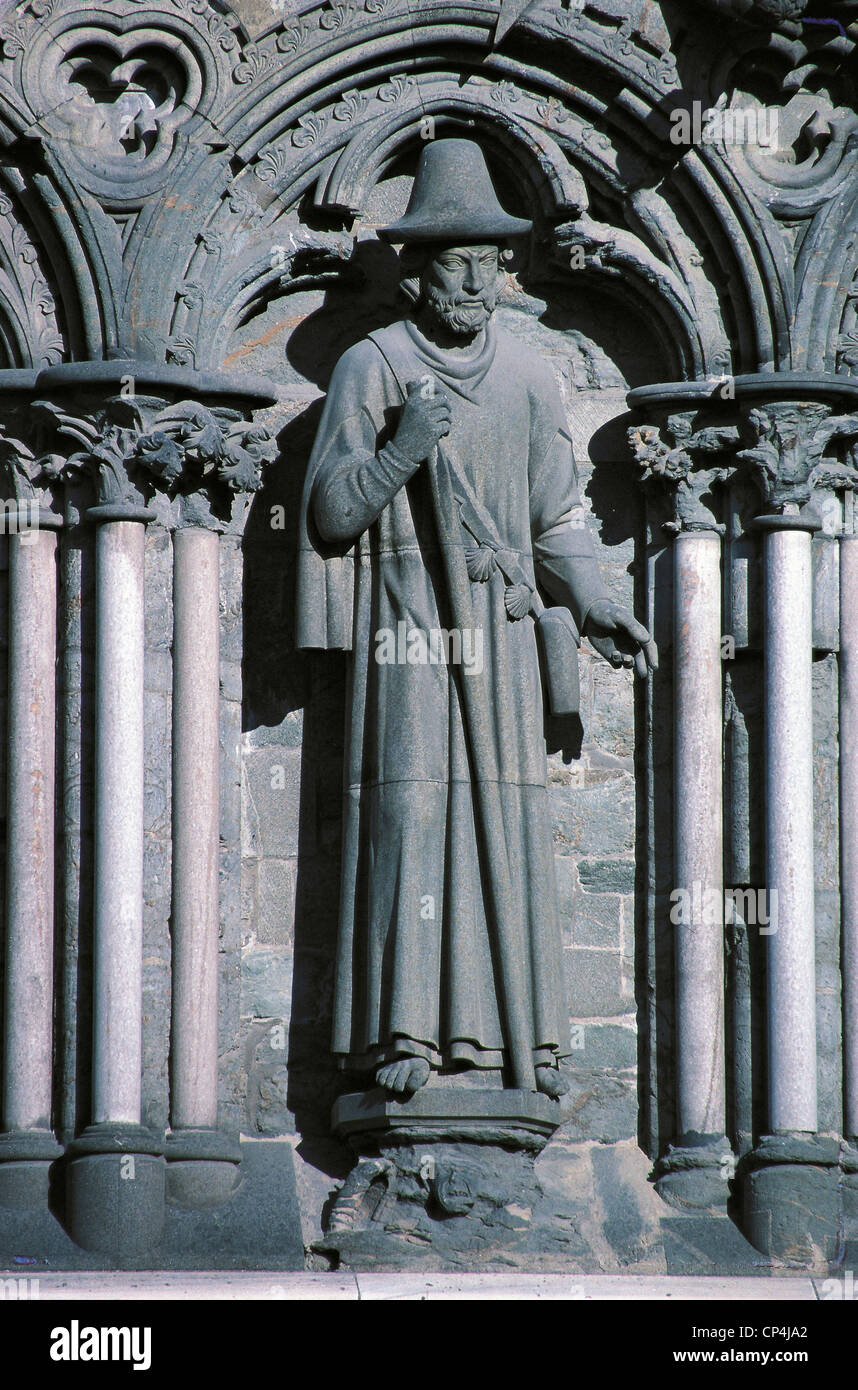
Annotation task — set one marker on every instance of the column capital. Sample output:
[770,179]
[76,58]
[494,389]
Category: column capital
[150,440]
[139,449]
[25,480]
[689,463]
[795,447]
[792,439]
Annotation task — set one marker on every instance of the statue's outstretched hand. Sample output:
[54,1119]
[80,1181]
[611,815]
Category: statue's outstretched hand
[617,635]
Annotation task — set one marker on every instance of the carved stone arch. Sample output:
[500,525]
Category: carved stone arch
[342,174]
[554,185]
[614,262]
[285,264]
[262,96]
[827,270]
[749,268]
[302,122]
[29,331]
[114,123]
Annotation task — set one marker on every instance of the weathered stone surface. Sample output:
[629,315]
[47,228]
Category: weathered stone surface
[275,906]
[271,790]
[596,920]
[607,875]
[598,984]
[605,1045]
[594,819]
[601,1107]
[604,1189]
[266,984]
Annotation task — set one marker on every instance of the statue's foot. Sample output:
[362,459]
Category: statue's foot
[405,1076]
[551,1082]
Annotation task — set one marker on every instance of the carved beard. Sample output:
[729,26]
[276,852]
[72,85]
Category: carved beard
[461,317]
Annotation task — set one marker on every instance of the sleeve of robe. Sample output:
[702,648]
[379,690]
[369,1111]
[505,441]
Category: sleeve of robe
[563,550]
[355,480]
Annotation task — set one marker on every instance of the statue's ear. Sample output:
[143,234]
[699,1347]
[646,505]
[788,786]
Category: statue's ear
[504,259]
[410,287]
[412,262]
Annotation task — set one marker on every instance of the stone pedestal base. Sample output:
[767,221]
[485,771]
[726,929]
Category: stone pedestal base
[257,1227]
[849,1199]
[26,1157]
[445,1179]
[792,1198]
[696,1176]
[115,1187]
[202,1167]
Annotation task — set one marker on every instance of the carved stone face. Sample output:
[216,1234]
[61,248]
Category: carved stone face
[460,286]
[455,1189]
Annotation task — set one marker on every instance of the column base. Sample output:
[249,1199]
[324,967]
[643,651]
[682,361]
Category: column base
[202,1167]
[441,1177]
[115,1188]
[849,1195]
[26,1158]
[695,1175]
[792,1198]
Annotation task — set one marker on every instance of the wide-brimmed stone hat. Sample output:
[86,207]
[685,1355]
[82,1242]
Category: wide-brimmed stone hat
[453,199]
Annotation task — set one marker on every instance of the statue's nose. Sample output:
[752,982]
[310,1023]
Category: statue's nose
[472,281]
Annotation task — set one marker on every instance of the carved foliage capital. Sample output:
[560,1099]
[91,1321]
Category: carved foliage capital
[133,446]
[798,446]
[686,462]
[24,477]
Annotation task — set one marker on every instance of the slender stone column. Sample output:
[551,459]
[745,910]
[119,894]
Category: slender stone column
[849,822]
[116,1178]
[789,831]
[697,1165]
[27,1144]
[849,853]
[201,1161]
[195,819]
[118,1004]
[698,836]
[192,463]
[792,442]
[791,1192]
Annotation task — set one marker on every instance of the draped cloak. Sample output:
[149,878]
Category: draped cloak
[419,970]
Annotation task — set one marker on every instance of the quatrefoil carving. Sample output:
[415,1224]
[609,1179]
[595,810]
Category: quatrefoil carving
[120,98]
[118,107]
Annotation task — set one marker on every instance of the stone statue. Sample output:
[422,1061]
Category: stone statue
[441,498]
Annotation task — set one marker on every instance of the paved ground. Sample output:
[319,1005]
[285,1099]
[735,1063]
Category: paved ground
[356,1287]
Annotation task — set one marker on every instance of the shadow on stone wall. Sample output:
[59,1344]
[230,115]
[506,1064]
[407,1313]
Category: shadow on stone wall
[279,683]
[617,502]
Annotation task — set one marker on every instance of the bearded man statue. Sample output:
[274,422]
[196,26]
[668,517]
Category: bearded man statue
[441,505]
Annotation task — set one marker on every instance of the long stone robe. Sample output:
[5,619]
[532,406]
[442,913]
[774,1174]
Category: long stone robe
[420,967]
